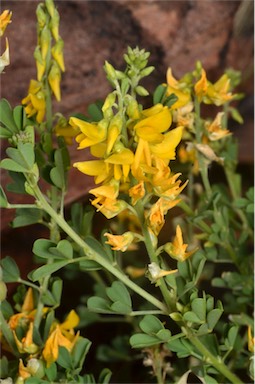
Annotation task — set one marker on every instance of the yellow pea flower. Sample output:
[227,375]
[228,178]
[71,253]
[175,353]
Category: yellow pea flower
[201,86]
[90,133]
[121,161]
[177,249]
[23,371]
[219,92]
[5,19]
[26,345]
[109,207]
[177,88]
[137,192]
[35,101]
[120,242]
[63,128]
[155,217]
[61,335]
[166,149]
[215,130]
[96,168]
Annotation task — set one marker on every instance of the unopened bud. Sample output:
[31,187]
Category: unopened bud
[109,101]
[45,41]
[147,71]
[41,15]
[54,25]
[141,91]
[36,368]
[54,80]
[57,53]
[50,7]
[3,291]
[110,71]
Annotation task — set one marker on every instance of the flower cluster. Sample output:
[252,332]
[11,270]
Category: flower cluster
[49,61]
[38,356]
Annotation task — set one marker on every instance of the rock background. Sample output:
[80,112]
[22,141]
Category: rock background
[177,33]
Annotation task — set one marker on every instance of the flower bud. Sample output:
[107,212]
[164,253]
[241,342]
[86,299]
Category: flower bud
[36,368]
[50,7]
[54,25]
[176,316]
[54,80]
[41,16]
[147,71]
[110,71]
[57,53]
[45,41]
[109,101]
[3,291]
[141,91]
[40,63]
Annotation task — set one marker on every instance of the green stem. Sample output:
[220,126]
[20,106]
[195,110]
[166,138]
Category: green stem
[214,361]
[201,159]
[91,254]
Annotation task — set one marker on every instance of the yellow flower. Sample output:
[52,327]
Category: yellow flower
[189,154]
[219,93]
[137,192]
[177,249]
[155,217]
[201,86]
[26,345]
[5,19]
[121,161]
[27,312]
[61,335]
[63,128]
[120,242]
[5,57]
[35,101]
[166,149]
[91,133]
[215,130]
[109,207]
[23,371]
[96,168]
[177,88]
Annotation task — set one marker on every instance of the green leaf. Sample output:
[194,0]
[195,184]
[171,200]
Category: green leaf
[3,199]
[98,304]
[64,249]
[232,335]
[26,216]
[164,335]
[64,358]
[119,293]
[41,248]
[105,376]
[151,324]
[6,116]
[213,317]
[5,133]
[80,351]
[170,100]
[45,270]
[95,111]
[182,347]
[10,271]
[56,289]
[89,265]
[18,114]
[120,307]
[159,94]
[11,165]
[199,308]
[23,155]
[250,208]
[4,369]
[18,185]
[140,340]
[192,317]
[51,372]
